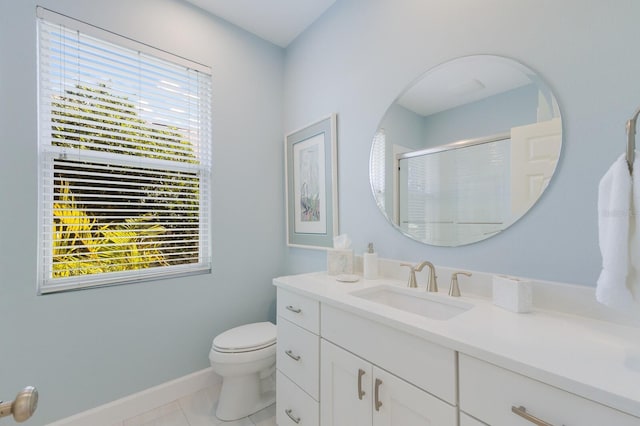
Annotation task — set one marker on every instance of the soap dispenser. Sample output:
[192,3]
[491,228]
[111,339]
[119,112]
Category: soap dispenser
[370,264]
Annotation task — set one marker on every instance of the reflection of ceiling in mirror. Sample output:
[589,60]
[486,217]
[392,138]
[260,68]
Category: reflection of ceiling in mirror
[460,82]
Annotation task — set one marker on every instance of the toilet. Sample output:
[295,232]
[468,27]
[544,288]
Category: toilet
[245,358]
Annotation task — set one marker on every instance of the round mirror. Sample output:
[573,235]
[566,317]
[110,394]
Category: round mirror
[466,150]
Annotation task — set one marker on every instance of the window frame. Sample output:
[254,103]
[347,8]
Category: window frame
[47,152]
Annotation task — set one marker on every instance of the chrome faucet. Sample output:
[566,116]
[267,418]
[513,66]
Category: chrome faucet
[432,284]
[454,289]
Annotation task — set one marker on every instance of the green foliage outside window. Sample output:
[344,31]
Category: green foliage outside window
[115,226]
[81,247]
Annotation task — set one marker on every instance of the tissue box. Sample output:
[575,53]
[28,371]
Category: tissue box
[339,261]
[512,294]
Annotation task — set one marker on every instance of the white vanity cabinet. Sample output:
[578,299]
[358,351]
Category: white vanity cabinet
[372,374]
[501,397]
[297,360]
[354,392]
[342,362]
[391,381]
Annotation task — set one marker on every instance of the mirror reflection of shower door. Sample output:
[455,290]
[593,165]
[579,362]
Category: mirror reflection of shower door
[399,192]
[534,155]
[457,195]
[425,205]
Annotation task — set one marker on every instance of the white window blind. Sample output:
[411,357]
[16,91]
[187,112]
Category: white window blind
[125,159]
[378,167]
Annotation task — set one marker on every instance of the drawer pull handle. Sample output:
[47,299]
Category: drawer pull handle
[522,412]
[360,391]
[289,413]
[377,394]
[292,355]
[293,309]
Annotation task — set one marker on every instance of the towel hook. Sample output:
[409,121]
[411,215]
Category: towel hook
[631,139]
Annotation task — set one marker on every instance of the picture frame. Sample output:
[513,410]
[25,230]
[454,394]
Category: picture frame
[311,189]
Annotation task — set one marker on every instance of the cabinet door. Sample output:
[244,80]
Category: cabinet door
[345,388]
[396,402]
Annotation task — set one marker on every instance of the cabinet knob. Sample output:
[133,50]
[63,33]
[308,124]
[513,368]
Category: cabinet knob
[294,309]
[522,412]
[292,355]
[289,413]
[378,403]
[360,391]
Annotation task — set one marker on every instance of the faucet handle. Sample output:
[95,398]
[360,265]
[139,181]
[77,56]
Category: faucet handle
[412,283]
[454,289]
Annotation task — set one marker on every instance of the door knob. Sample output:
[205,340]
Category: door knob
[23,406]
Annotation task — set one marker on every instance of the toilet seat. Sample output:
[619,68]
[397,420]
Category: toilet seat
[246,338]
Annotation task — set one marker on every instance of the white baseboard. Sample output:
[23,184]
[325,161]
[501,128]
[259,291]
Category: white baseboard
[148,399]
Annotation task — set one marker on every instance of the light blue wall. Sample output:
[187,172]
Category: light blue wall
[362,54]
[83,349]
[402,127]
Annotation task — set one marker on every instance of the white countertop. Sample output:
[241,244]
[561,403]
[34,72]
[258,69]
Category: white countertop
[595,359]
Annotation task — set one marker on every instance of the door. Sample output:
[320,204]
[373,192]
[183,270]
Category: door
[397,402]
[345,388]
[535,150]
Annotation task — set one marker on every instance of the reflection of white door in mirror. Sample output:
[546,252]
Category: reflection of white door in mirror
[535,150]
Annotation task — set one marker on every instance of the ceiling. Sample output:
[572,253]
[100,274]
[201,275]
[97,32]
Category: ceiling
[448,86]
[277,21]
[463,81]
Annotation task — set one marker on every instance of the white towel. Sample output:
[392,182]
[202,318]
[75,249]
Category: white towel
[614,213]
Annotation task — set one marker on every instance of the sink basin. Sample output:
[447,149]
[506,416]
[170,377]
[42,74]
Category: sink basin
[416,301]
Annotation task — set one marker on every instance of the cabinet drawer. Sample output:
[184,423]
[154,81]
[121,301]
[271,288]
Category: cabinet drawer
[429,366]
[298,356]
[488,393]
[294,407]
[300,310]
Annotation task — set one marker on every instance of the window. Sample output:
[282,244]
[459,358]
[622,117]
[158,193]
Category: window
[124,159]
[378,167]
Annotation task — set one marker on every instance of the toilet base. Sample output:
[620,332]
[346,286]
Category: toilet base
[242,396]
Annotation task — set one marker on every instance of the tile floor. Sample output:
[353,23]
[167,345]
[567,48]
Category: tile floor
[197,409]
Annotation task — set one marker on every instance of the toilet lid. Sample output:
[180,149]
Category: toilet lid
[249,337]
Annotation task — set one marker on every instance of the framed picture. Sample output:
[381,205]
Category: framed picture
[311,185]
